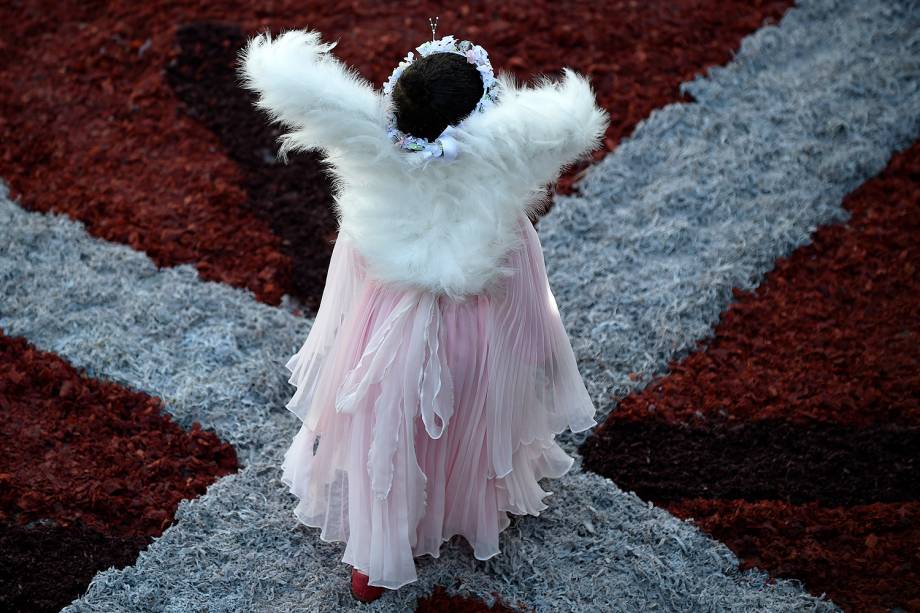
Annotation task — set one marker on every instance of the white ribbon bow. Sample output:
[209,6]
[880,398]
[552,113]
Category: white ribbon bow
[446,146]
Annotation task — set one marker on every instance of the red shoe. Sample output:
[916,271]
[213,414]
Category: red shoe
[361,590]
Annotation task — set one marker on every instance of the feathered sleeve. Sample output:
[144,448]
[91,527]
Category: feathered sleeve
[533,133]
[304,87]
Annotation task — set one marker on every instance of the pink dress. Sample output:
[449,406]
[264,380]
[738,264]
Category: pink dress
[433,416]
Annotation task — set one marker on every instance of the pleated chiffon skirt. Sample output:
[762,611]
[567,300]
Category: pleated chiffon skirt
[424,417]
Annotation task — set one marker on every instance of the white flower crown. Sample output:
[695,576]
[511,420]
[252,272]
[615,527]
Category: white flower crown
[474,54]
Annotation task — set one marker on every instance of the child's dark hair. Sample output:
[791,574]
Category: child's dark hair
[434,92]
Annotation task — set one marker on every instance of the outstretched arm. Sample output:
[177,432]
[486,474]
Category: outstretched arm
[304,87]
[533,133]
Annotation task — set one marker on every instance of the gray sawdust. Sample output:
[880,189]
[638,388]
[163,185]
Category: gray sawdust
[210,351]
[704,197]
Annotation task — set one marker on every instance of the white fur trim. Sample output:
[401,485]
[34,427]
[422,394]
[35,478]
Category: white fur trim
[441,227]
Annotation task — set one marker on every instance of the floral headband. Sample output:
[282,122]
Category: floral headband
[443,146]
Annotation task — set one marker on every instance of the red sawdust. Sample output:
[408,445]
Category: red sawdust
[81,451]
[828,344]
[92,129]
[879,566]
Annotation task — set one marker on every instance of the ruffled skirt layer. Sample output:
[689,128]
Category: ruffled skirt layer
[424,417]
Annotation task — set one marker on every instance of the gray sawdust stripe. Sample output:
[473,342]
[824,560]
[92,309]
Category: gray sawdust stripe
[234,530]
[210,351]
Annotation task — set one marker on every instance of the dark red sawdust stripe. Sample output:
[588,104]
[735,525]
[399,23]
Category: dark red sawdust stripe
[763,459]
[75,449]
[294,199]
[877,573]
[829,343]
[44,567]
[91,127]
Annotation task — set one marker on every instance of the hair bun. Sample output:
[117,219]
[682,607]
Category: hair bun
[436,91]
[417,89]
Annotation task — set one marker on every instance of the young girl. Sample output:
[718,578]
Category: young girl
[437,371]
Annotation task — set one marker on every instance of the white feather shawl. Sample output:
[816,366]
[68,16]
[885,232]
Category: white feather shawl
[444,226]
